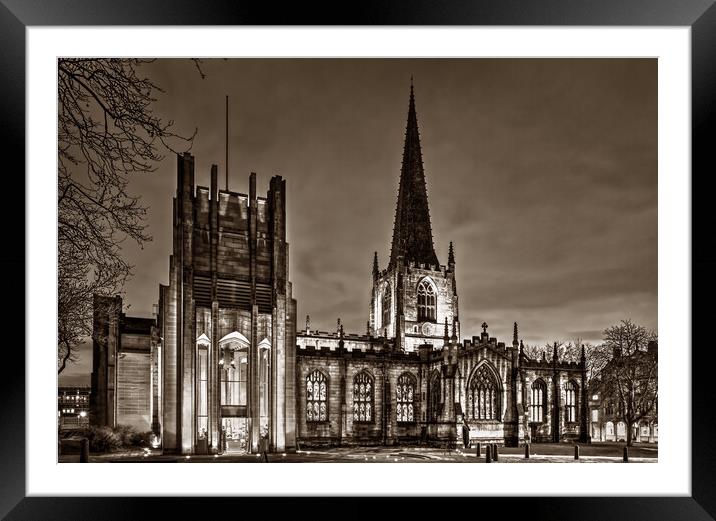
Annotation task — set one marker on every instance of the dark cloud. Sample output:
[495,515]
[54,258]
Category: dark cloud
[543,173]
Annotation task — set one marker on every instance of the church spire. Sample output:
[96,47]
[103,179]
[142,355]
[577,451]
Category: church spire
[412,232]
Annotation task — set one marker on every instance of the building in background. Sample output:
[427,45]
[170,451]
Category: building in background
[607,421]
[124,351]
[73,406]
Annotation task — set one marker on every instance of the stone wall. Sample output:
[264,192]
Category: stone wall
[340,369]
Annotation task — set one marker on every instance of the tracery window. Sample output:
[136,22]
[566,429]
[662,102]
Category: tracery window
[363,397]
[386,306]
[405,395]
[538,402]
[571,402]
[483,395]
[316,393]
[426,301]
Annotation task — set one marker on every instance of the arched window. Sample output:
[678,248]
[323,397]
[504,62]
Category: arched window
[233,361]
[386,306]
[405,396]
[538,404]
[426,301]
[316,397]
[570,402]
[434,393]
[609,427]
[483,395]
[363,397]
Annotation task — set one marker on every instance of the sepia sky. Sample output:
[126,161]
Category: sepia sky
[543,172]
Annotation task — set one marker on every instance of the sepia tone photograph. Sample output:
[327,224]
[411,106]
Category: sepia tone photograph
[357,260]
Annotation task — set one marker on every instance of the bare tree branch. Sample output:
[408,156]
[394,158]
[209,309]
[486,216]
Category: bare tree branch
[107,132]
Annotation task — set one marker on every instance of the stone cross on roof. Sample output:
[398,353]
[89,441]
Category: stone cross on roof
[484,327]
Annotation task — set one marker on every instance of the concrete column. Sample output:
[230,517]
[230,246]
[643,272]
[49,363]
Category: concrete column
[214,381]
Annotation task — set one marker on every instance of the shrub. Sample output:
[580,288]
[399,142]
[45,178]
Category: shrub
[142,439]
[103,439]
[130,437]
[107,439]
[126,434]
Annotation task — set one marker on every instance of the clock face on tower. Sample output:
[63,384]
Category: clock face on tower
[427,329]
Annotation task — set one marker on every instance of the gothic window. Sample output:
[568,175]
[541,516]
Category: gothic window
[434,393]
[316,397]
[405,396]
[363,397]
[538,404]
[571,402]
[233,353]
[426,301]
[386,306]
[483,395]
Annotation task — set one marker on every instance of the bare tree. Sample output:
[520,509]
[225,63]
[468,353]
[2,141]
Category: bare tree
[566,351]
[630,378]
[107,132]
[597,355]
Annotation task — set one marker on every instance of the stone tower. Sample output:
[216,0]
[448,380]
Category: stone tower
[414,295]
[227,320]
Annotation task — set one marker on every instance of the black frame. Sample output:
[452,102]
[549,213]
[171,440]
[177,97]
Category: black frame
[700,15]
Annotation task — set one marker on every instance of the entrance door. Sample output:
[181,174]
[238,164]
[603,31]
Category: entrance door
[235,433]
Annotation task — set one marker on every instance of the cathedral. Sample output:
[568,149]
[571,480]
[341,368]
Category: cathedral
[223,368]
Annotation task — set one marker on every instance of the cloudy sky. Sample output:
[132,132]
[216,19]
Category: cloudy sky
[543,172]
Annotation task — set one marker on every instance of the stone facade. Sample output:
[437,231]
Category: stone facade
[122,378]
[225,369]
[227,320]
[412,332]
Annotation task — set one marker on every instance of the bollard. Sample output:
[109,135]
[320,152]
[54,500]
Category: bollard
[496,455]
[479,452]
[488,454]
[626,454]
[527,451]
[84,451]
[576,452]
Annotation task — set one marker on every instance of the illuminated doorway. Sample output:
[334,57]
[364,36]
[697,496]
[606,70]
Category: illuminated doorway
[235,435]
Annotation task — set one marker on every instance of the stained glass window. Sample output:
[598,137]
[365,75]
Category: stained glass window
[426,301]
[537,404]
[571,402]
[363,397]
[316,393]
[405,394]
[483,395]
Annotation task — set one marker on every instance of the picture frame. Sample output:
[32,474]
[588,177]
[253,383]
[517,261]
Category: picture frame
[700,16]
